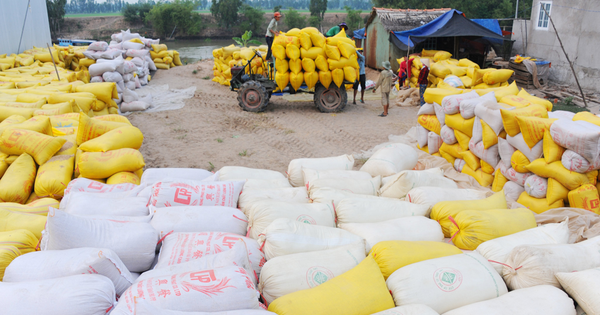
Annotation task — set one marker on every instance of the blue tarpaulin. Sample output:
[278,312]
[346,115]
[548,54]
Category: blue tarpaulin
[492,25]
[450,24]
[359,34]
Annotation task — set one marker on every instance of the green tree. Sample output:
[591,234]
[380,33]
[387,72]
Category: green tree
[293,19]
[317,8]
[166,17]
[136,13]
[314,21]
[277,9]
[226,11]
[56,15]
[246,39]
[353,19]
[252,19]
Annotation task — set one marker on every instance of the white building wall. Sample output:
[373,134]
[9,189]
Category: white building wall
[12,16]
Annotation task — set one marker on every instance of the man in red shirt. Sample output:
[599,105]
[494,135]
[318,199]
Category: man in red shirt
[423,81]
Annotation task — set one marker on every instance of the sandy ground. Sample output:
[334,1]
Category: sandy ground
[212,131]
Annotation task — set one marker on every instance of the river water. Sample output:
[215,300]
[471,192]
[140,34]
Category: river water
[194,50]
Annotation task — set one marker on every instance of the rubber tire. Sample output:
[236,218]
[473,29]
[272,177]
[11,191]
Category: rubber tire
[320,90]
[257,90]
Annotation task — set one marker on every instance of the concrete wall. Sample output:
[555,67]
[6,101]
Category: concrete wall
[578,29]
[36,31]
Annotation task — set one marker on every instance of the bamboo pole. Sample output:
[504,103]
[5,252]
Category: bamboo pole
[53,62]
[568,60]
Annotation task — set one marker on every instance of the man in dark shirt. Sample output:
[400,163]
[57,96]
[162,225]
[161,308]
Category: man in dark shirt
[422,81]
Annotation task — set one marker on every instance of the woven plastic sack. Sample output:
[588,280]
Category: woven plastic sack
[17,182]
[198,219]
[98,165]
[343,162]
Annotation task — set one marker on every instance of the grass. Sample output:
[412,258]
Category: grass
[182,137]
[360,162]
[196,71]
[288,131]
[210,167]
[92,14]
[219,140]
[206,78]
[179,129]
[243,153]
[566,104]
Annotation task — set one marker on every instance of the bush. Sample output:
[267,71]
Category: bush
[314,21]
[226,11]
[252,19]
[165,16]
[136,13]
[293,19]
[277,9]
[353,19]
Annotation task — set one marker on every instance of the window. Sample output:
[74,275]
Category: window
[430,43]
[543,19]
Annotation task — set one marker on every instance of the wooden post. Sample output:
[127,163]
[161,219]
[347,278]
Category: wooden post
[53,62]
[568,60]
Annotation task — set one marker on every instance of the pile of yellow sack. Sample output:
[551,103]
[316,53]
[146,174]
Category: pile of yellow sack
[164,58]
[232,56]
[503,138]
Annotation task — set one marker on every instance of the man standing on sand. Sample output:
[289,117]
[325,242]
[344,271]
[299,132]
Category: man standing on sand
[272,31]
[362,79]
[386,79]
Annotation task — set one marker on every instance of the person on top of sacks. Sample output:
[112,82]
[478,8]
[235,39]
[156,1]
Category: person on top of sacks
[272,31]
[336,29]
[362,79]
[386,80]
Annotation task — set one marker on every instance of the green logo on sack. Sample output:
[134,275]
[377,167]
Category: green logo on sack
[318,275]
[447,279]
[304,218]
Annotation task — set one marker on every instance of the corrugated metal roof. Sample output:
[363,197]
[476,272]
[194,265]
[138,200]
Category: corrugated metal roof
[35,29]
[395,20]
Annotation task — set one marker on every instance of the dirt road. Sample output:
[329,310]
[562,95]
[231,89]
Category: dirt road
[212,131]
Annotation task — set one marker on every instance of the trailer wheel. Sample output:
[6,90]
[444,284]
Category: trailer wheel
[330,100]
[253,97]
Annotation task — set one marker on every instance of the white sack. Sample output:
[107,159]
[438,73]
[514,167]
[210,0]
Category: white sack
[342,162]
[311,175]
[333,196]
[536,186]
[429,196]
[260,184]
[129,67]
[153,175]
[489,155]
[580,136]
[51,264]
[137,53]
[185,192]
[391,159]
[286,236]
[574,162]
[459,164]
[72,295]
[477,134]
[98,46]
[439,114]
[98,69]
[426,109]
[583,286]
[496,251]
[130,96]
[423,136]
[467,107]
[150,62]
[92,186]
[446,283]
[144,308]
[451,104]
[355,186]
[368,210]
[113,52]
[537,264]
[506,151]
[95,204]
[447,135]
[112,77]
[434,142]
[409,309]
[489,111]
[519,143]
[415,228]
[290,195]
[96,79]
[134,242]
[199,219]
[290,273]
[240,172]
[134,106]
[512,190]
[561,114]
[400,184]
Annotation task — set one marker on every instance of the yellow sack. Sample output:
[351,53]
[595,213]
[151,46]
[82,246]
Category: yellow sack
[538,205]
[332,52]
[393,255]
[99,105]
[447,156]
[35,105]
[587,116]
[92,128]
[311,79]
[321,63]
[113,118]
[305,41]
[162,47]
[104,91]
[318,40]
[499,181]
[442,210]
[3,166]
[463,139]
[22,239]
[350,74]
[441,55]
[308,65]
[293,32]
[346,49]
[440,71]
[11,159]
[8,253]
[497,76]
[123,178]
[292,52]
[163,66]
[65,108]
[487,168]
[592,176]
[480,176]
[488,135]
[286,40]
[311,30]
[556,191]
[39,206]
[509,117]
[40,146]
[119,138]
[467,63]
[41,124]
[333,41]
[312,53]
[585,197]
[478,75]
[84,101]
[430,122]
[500,92]
[534,128]
[282,79]
[456,70]
[281,65]
[337,76]
[457,122]
[325,78]
[571,180]
[10,221]
[295,66]
[361,290]
[31,98]
[296,79]
[473,227]
[515,101]
[17,181]
[428,53]
[54,176]
[552,151]
[519,162]
[11,120]
[436,95]
[98,165]
[6,112]
[453,149]
[535,100]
